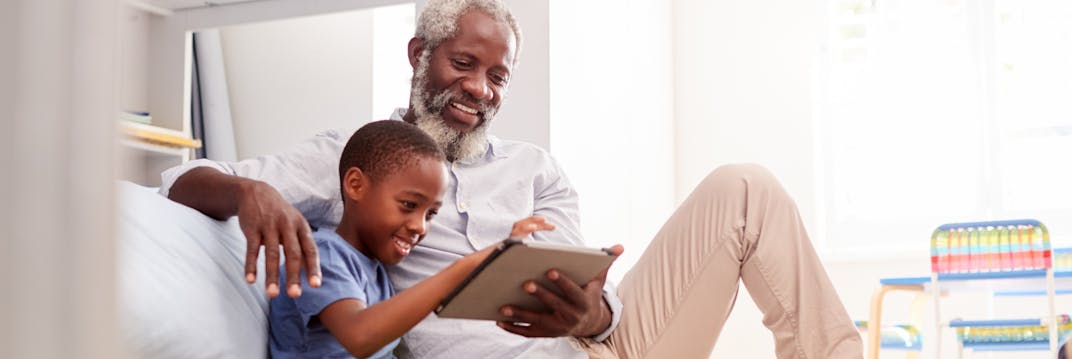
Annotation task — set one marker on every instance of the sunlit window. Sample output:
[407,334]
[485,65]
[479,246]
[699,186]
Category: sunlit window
[935,111]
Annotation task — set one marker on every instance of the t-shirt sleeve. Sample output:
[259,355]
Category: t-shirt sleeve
[338,282]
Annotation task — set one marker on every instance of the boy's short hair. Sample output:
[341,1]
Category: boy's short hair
[382,148]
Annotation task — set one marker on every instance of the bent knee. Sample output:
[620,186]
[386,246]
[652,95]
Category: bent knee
[740,179]
[743,173]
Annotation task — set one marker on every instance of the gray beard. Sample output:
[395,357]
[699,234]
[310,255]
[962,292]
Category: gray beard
[456,145]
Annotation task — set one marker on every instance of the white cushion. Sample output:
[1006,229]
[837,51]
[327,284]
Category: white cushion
[182,292]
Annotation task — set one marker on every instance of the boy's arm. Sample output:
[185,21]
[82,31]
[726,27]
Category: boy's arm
[364,330]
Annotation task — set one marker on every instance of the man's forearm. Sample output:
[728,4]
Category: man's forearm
[209,191]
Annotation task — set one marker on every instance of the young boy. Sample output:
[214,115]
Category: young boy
[393,179]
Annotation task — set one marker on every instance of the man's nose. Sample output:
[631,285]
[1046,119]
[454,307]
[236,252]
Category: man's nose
[477,87]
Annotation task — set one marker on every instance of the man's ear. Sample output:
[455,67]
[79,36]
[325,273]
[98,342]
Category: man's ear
[416,46]
[355,184]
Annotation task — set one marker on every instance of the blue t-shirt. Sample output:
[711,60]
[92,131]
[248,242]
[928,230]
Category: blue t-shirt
[296,331]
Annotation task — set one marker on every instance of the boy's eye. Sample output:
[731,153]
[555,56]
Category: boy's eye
[431,214]
[409,205]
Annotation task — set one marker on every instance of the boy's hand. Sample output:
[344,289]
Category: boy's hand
[267,219]
[521,229]
[527,226]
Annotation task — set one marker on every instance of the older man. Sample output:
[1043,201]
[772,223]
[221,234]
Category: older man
[738,225]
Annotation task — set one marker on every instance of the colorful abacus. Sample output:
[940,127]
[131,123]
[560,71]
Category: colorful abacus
[998,246]
[1013,334]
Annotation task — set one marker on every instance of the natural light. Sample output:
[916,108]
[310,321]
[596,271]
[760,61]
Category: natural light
[944,111]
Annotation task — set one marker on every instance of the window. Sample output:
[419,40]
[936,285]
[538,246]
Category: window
[936,111]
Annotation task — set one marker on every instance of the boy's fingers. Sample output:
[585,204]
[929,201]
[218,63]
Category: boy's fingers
[529,225]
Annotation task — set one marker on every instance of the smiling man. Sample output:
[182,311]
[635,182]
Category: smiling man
[739,225]
[461,71]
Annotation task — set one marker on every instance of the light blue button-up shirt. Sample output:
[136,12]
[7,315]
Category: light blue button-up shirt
[487,194]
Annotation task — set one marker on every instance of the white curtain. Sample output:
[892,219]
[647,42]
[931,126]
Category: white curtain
[58,67]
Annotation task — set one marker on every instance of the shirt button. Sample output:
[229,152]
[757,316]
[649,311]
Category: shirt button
[463,206]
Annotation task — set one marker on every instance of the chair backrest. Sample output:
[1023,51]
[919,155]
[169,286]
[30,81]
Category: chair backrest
[994,246]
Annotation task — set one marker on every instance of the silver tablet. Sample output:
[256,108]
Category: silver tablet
[497,281]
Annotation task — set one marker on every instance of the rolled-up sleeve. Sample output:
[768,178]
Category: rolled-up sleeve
[306,175]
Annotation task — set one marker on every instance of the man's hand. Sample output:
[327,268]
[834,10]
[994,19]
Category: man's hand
[579,312]
[267,219]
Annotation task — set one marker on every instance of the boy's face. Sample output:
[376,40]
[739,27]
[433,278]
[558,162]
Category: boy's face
[392,215]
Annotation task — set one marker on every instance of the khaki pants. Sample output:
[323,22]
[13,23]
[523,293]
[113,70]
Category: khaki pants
[738,225]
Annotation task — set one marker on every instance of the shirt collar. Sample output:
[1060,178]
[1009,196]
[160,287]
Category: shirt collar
[495,150]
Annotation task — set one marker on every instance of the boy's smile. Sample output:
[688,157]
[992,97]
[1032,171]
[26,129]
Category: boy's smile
[391,214]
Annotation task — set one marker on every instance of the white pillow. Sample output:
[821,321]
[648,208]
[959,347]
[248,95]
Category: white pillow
[182,292]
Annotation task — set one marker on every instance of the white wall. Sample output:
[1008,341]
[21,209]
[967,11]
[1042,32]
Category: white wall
[743,93]
[743,86]
[526,109]
[134,59]
[290,79]
[611,117]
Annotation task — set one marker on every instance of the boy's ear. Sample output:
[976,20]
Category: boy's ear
[416,46]
[355,184]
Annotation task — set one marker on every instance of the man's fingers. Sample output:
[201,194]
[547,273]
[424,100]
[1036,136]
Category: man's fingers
[549,298]
[617,251]
[253,248]
[519,315]
[571,290]
[522,330]
[311,255]
[271,263]
[293,262]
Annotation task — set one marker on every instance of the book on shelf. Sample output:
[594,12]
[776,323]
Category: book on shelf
[136,117]
[157,135]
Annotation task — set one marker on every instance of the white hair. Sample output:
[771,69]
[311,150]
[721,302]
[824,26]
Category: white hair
[439,20]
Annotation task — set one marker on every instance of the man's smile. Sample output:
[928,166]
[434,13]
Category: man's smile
[466,115]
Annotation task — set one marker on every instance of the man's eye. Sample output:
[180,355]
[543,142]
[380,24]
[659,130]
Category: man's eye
[461,63]
[498,80]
